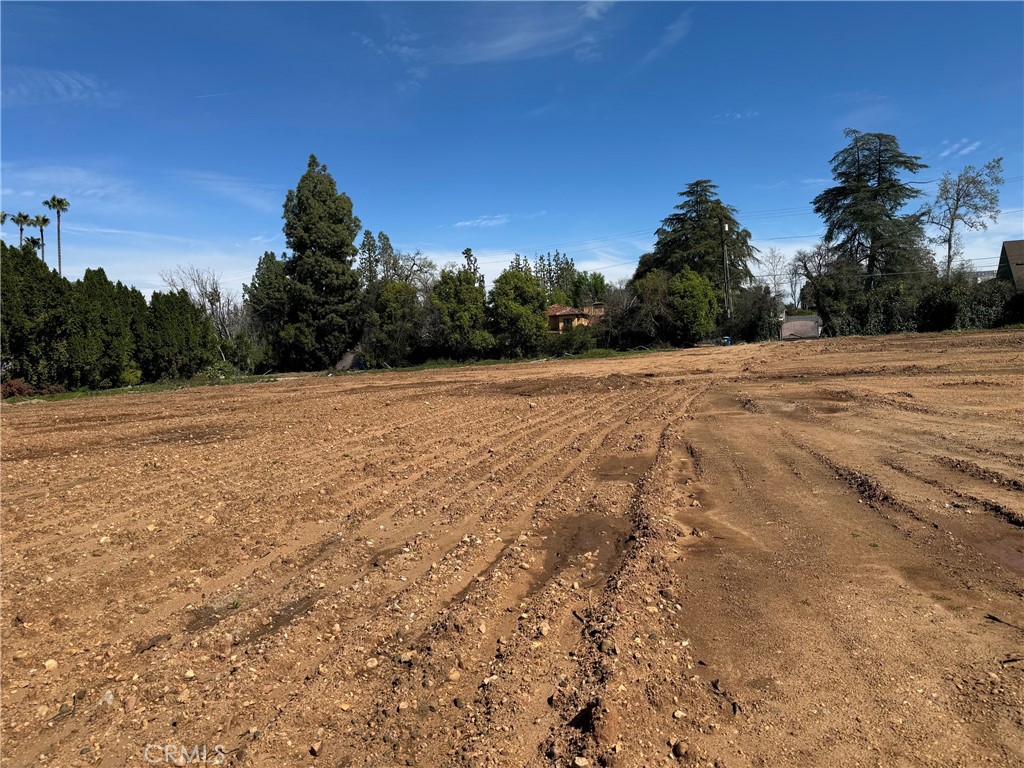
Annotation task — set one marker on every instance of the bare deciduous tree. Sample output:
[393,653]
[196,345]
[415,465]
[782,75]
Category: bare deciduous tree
[970,199]
[795,280]
[774,274]
[204,288]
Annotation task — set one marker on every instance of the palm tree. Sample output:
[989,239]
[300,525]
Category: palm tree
[60,205]
[21,220]
[41,221]
[32,242]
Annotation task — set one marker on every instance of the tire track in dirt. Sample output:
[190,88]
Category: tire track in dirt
[562,477]
[537,463]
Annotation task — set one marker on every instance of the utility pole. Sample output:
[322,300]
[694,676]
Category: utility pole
[725,268]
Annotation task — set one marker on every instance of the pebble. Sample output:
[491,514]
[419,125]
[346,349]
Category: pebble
[50,664]
[581,762]
[454,676]
[314,748]
[189,674]
[371,663]
[544,629]
[680,749]
[607,646]
[678,714]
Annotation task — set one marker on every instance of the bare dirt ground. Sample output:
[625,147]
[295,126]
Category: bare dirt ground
[771,555]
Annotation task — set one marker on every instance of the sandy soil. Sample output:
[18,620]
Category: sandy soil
[771,555]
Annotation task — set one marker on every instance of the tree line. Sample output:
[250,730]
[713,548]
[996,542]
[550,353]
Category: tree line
[326,297]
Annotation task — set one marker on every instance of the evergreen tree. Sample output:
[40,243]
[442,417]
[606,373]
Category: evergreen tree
[179,340]
[699,236]
[267,300]
[323,298]
[102,344]
[369,260]
[862,211]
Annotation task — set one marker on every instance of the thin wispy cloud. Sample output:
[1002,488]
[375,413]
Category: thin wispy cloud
[215,95]
[259,196]
[672,35]
[134,234]
[67,181]
[485,221]
[33,86]
[959,148]
[730,115]
[857,97]
[516,32]
[489,34]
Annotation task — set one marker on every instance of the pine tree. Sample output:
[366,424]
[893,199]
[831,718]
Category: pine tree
[862,211]
[323,299]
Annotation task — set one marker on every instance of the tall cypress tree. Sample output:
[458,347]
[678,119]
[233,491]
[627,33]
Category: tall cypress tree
[323,288]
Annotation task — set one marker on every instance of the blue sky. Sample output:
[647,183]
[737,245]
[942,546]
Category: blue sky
[175,129]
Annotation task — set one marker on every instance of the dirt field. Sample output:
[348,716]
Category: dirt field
[778,555]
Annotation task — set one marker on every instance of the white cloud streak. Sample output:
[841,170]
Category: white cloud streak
[33,86]
[485,221]
[959,148]
[672,35]
[259,196]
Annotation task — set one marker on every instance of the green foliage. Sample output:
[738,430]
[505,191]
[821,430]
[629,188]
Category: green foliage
[756,315]
[862,211]
[697,237]
[36,318]
[323,301]
[317,219]
[516,314]
[458,304]
[574,341]
[668,309]
[267,300]
[693,303]
[102,346]
[93,333]
[396,320]
[959,302]
[179,340]
[969,200]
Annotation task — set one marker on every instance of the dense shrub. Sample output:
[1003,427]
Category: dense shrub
[572,342]
[16,388]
